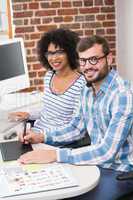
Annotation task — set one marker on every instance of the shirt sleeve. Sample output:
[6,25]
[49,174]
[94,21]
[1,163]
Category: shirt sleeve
[72,131]
[106,151]
[66,134]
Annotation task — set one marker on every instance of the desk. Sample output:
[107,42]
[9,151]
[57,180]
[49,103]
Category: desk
[80,172]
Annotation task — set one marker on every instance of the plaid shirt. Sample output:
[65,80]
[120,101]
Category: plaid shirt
[108,118]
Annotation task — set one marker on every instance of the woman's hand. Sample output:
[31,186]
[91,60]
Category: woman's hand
[18,116]
[31,137]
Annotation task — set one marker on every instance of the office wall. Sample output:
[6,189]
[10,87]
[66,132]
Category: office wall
[124,34]
[87,17]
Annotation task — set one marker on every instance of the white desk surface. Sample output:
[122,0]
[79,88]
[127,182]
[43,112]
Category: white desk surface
[87,176]
[6,126]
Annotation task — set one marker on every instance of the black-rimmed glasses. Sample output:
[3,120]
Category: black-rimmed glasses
[92,60]
[59,52]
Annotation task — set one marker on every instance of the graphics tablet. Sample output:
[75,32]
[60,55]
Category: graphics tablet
[13,150]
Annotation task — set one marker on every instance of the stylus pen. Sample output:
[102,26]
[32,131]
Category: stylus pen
[26,126]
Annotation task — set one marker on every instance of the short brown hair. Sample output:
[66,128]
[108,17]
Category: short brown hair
[88,42]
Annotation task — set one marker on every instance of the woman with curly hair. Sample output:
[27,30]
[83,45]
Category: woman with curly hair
[62,85]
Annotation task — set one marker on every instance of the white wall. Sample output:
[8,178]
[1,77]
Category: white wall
[124,37]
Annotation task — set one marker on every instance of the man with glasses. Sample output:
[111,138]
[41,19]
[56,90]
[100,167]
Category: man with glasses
[106,111]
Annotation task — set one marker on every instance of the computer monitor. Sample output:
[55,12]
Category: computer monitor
[13,67]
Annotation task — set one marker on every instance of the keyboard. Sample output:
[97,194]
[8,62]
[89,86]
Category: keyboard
[19,100]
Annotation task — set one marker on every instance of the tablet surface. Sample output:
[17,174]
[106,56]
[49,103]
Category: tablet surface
[13,150]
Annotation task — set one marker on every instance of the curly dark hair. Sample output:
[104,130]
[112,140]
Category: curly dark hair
[63,38]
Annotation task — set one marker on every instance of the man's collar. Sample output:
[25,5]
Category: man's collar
[108,80]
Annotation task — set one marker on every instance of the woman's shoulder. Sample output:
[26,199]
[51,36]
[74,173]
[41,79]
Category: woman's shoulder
[79,83]
[48,74]
[81,79]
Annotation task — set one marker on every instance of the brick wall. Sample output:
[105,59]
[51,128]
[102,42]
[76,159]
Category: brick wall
[34,17]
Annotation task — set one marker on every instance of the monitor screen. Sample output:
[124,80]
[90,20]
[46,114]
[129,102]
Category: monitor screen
[10,61]
[13,66]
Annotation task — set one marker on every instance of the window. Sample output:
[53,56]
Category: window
[5,19]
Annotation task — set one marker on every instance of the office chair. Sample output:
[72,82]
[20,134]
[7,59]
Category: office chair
[123,177]
[128,196]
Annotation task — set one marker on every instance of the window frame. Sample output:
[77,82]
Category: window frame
[6,28]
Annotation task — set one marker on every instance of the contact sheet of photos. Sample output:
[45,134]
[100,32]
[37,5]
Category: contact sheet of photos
[15,180]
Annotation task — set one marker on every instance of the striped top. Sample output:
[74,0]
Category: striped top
[108,118]
[58,108]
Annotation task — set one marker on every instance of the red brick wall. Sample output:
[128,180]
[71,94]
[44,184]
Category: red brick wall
[87,17]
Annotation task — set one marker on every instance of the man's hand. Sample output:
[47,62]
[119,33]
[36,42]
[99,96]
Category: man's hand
[31,137]
[38,156]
